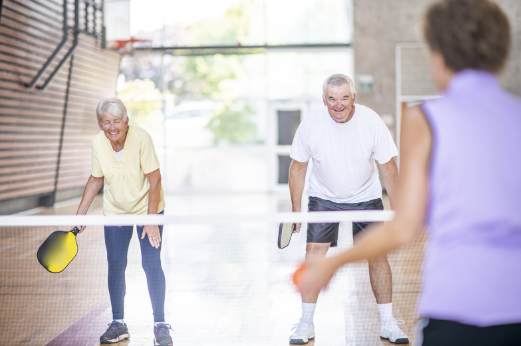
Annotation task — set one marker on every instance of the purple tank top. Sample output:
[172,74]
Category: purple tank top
[472,268]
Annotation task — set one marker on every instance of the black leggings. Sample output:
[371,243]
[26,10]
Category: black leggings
[117,240]
[448,333]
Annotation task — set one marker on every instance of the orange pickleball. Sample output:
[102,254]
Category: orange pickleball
[299,274]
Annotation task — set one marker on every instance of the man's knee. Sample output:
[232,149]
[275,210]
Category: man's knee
[316,249]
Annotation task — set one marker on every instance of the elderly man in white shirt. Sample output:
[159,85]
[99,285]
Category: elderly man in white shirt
[344,139]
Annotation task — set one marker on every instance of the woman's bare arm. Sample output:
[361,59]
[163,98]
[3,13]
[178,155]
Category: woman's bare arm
[154,194]
[91,190]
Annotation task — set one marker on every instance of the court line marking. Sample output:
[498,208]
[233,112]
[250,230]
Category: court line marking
[61,204]
[86,330]
[8,247]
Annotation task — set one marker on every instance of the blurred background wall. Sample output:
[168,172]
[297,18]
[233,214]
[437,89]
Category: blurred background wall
[391,66]
[47,123]
[221,85]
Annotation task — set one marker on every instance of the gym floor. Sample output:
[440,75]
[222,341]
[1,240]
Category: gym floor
[227,284]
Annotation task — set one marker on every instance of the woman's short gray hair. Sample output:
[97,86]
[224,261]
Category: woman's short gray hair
[112,106]
[338,79]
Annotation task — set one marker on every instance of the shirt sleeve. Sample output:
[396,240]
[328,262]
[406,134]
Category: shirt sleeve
[96,167]
[384,148]
[300,147]
[147,155]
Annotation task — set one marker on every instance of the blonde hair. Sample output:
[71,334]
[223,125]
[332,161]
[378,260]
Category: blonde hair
[112,106]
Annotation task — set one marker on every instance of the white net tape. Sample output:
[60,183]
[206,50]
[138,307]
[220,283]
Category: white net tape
[90,220]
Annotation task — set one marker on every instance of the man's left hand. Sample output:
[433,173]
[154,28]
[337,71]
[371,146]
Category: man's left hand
[153,235]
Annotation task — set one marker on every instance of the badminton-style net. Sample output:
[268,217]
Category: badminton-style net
[226,279]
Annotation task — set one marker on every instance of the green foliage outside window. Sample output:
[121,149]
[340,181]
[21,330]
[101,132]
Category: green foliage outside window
[144,102]
[231,29]
[232,124]
[200,78]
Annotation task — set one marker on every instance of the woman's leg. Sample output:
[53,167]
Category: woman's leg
[151,260]
[117,240]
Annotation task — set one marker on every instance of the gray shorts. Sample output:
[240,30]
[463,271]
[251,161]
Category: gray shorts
[328,232]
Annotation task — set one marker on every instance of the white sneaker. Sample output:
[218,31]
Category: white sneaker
[390,330]
[305,332]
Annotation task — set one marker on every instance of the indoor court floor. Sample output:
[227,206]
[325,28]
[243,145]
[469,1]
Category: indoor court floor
[227,284]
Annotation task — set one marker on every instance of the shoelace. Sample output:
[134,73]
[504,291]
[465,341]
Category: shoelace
[302,327]
[388,322]
[114,326]
[393,325]
[394,322]
[163,329]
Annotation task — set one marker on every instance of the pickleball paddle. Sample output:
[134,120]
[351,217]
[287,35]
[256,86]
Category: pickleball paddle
[58,250]
[285,232]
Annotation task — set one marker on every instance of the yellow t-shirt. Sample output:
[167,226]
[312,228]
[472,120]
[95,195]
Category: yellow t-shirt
[126,185]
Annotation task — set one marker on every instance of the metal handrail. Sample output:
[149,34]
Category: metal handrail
[65,37]
[76,31]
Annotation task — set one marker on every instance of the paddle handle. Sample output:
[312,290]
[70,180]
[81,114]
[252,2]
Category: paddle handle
[75,231]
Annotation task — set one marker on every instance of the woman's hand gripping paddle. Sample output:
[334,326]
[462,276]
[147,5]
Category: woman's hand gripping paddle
[58,250]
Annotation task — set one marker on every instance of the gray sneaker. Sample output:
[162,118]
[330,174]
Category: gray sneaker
[115,333]
[162,335]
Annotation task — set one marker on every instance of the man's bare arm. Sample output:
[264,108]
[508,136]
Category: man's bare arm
[390,174]
[297,180]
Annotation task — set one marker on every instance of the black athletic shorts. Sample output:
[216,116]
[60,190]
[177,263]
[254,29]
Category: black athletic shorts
[448,333]
[328,232]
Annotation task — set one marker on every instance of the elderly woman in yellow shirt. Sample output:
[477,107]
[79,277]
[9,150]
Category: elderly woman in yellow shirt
[123,157]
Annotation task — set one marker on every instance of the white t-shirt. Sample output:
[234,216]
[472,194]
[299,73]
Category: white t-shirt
[344,168]
[119,155]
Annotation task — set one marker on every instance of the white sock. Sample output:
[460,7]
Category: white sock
[158,323]
[308,310]
[119,321]
[386,312]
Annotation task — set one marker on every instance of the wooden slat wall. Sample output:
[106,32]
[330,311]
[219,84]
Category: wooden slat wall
[31,119]
[94,76]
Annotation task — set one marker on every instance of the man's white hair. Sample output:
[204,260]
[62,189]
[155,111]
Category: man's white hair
[112,106]
[338,79]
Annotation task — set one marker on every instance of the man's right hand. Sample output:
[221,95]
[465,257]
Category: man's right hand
[297,180]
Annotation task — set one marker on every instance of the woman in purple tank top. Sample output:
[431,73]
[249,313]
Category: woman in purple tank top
[461,178]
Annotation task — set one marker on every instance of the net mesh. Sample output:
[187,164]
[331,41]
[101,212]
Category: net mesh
[225,279]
